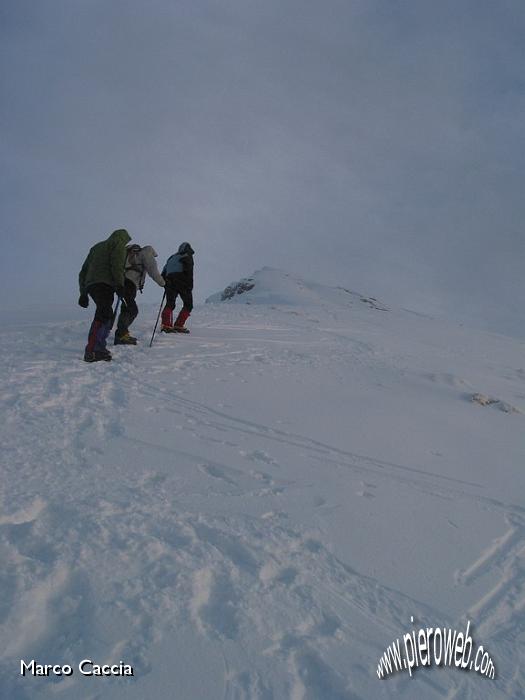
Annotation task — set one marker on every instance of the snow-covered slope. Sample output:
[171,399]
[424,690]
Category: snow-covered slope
[258,510]
[272,286]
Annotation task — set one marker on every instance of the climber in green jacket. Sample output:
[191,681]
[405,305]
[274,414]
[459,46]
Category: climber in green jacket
[101,276]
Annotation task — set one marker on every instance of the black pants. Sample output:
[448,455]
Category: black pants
[102,294]
[174,291]
[128,309]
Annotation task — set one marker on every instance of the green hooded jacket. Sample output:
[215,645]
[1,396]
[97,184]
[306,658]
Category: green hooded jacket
[105,262]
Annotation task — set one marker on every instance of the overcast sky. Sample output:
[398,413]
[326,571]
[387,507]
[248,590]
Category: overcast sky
[375,145]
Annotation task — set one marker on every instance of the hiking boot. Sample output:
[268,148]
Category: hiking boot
[125,339]
[180,329]
[167,329]
[97,356]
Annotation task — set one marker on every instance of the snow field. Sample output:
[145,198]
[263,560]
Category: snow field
[257,510]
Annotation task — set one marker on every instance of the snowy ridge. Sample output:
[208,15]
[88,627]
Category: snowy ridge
[258,509]
[272,286]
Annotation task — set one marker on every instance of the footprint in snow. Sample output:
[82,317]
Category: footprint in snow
[273,573]
[216,472]
[258,456]
[261,476]
[365,492]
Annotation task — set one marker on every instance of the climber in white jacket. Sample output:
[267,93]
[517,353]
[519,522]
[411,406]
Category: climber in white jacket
[139,263]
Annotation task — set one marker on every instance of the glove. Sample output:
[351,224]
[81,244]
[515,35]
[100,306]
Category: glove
[83,301]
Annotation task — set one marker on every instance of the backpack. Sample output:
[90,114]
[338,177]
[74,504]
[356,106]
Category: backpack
[133,263]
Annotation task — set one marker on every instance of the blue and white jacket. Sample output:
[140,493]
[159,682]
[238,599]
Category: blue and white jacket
[178,270]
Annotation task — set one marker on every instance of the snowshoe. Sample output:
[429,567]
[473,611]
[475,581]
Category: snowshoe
[180,329]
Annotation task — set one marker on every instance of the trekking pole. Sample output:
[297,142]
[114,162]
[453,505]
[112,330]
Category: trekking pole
[158,316]
[119,299]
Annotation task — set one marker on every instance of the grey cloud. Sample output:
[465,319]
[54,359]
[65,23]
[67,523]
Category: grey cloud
[373,144]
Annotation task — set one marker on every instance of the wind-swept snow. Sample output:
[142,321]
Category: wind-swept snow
[258,509]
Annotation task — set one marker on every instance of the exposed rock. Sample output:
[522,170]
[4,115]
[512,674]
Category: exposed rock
[235,288]
[484,400]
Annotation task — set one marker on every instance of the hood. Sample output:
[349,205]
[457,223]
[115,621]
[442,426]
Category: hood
[185,249]
[120,236]
[149,249]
